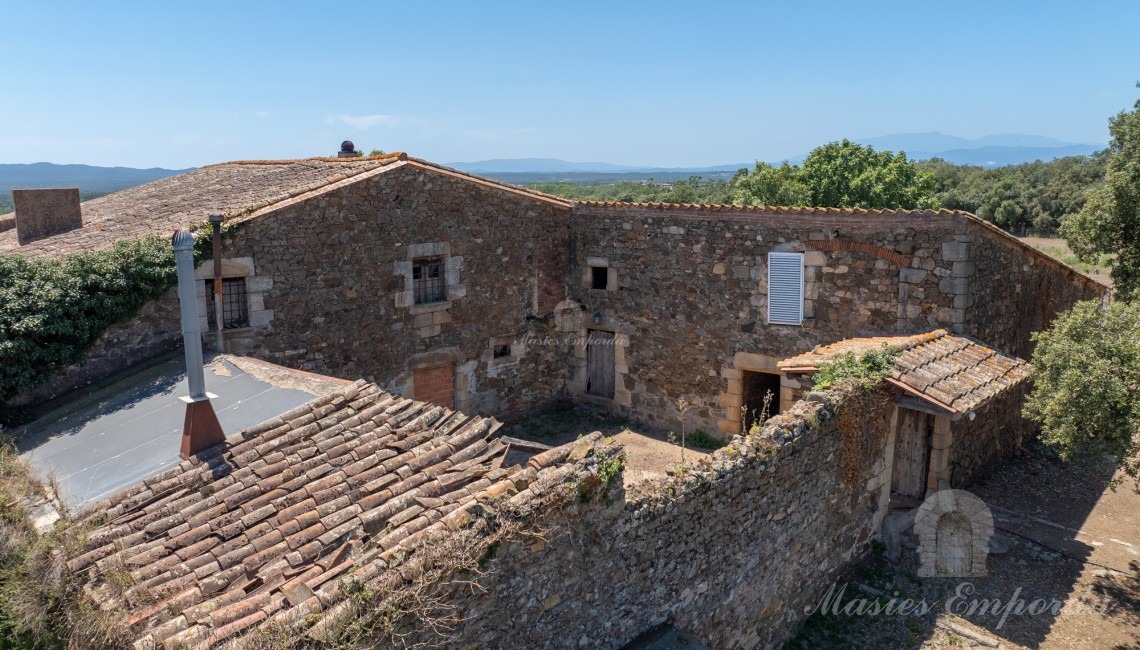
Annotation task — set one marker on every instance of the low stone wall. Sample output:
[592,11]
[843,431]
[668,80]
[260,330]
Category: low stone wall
[154,331]
[981,444]
[734,550]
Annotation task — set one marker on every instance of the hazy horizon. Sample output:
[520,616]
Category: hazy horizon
[663,85]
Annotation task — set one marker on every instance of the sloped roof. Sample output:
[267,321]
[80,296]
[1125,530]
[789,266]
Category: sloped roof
[264,525]
[233,188]
[955,372]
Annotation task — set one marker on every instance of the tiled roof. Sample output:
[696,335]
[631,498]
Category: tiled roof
[177,201]
[260,530]
[956,372]
[232,188]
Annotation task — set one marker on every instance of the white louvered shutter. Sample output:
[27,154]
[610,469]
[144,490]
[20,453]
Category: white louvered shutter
[786,288]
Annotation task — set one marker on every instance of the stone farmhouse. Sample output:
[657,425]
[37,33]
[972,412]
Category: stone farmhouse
[450,294]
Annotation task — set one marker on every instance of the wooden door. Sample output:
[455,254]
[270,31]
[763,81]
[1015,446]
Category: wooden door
[435,385]
[912,453]
[600,363]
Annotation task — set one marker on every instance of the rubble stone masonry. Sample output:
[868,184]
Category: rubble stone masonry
[735,551]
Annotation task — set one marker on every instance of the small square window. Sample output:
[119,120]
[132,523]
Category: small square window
[502,351]
[235,306]
[600,277]
[428,280]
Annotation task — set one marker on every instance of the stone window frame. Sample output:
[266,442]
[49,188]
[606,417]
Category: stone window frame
[514,345]
[430,317]
[423,287]
[255,289]
[588,274]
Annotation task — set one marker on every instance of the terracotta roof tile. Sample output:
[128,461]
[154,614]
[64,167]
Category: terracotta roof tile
[955,371]
[262,526]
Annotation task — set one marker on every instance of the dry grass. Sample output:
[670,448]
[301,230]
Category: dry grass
[1059,249]
[42,603]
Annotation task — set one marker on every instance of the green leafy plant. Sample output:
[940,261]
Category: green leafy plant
[702,440]
[1085,373]
[866,370]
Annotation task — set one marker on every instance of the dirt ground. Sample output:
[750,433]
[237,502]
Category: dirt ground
[648,453]
[1064,573]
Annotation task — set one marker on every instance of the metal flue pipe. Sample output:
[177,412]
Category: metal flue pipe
[191,326]
[201,429]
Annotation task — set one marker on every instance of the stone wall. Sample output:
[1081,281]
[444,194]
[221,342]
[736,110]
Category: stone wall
[734,551]
[1015,293]
[982,444]
[153,332]
[691,294]
[342,300]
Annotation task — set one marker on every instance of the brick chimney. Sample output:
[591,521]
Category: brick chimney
[43,213]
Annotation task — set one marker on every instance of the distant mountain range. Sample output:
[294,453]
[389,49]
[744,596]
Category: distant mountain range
[87,178]
[989,151]
[554,165]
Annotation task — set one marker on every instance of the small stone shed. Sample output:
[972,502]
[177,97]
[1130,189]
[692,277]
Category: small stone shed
[958,406]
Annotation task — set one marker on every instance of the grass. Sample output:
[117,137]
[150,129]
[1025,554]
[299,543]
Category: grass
[1058,248]
[41,602]
[700,439]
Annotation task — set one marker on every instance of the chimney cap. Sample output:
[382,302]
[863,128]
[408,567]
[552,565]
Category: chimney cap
[347,147]
[182,240]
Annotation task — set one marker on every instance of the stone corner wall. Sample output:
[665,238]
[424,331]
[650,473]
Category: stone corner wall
[734,551]
[1014,292]
[984,443]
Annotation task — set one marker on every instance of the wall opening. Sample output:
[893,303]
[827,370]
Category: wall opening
[235,304]
[912,453]
[599,277]
[761,397]
[435,385]
[600,363]
[428,281]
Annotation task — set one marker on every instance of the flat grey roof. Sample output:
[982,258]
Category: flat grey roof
[119,434]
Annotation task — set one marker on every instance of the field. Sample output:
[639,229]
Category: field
[1060,249]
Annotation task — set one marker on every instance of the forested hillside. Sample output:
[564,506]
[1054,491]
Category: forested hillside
[1030,197]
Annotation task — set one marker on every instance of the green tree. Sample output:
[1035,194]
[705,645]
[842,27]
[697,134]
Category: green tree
[1086,383]
[376,152]
[849,175]
[770,185]
[841,174]
[1109,222]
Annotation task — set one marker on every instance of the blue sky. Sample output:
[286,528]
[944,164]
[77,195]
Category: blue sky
[178,84]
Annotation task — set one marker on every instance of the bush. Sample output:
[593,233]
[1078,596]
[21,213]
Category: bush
[866,370]
[53,310]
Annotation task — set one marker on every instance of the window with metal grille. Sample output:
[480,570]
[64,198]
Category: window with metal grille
[786,288]
[235,306]
[428,280]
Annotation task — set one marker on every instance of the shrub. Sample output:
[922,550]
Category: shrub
[866,370]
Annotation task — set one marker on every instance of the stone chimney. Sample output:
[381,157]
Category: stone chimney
[43,213]
[348,150]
